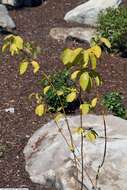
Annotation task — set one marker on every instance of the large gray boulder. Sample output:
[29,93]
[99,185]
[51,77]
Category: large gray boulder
[87,13]
[50,163]
[5,20]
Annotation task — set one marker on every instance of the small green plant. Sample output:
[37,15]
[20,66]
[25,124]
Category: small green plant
[113,102]
[63,86]
[112,24]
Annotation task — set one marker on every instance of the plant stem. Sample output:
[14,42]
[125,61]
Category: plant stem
[104,154]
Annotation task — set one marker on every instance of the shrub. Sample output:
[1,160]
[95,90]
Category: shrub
[113,102]
[112,24]
[62,84]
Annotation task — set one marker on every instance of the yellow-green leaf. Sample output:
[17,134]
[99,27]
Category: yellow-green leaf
[46,89]
[94,102]
[69,56]
[79,130]
[74,75]
[106,42]
[40,110]
[96,50]
[18,41]
[4,47]
[60,92]
[90,136]
[71,97]
[23,67]
[84,80]
[13,49]
[85,58]
[35,66]
[58,117]
[93,61]
[85,108]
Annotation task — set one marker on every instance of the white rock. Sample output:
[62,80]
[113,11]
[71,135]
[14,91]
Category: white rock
[49,161]
[83,34]
[87,13]
[9,2]
[5,20]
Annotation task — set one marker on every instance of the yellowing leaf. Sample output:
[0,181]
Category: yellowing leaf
[90,136]
[9,36]
[13,49]
[84,80]
[106,42]
[74,75]
[71,97]
[58,117]
[66,56]
[18,41]
[94,102]
[60,92]
[39,110]
[85,108]
[46,89]
[79,130]
[85,58]
[4,47]
[35,66]
[23,67]
[96,50]
[69,56]
[93,61]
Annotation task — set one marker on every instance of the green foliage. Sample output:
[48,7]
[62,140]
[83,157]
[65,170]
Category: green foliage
[113,102]
[112,24]
[61,87]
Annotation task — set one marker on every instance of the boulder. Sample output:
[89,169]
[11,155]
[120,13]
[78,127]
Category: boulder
[83,34]
[50,162]
[87,13]
[5,20]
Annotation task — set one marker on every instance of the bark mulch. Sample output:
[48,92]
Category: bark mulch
[34,24]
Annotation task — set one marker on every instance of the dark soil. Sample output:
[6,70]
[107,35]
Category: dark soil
[34,24]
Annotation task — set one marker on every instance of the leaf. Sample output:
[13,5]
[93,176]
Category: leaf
[66,56]
[90,136]
[96,50]
[71,97]
[74,75]
[18,41]
[106,42]
[58,117]
[60,92]
[79,130]
[94,102]
[93,61]
[23,67]
[39,110]
[85,108]
[9,36]
[69,56]
[13,49]
[35,66]
[5,46]
[84,80]
[85,58]
[46,89]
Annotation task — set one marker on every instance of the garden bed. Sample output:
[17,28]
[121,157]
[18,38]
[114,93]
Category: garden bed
[34,24]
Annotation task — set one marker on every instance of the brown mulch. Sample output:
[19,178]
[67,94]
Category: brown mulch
[34,24]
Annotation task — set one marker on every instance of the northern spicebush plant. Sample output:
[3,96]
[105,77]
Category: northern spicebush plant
[113,102]
[82,65]
[112,24]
